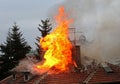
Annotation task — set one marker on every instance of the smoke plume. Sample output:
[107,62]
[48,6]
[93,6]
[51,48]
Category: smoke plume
[98,20]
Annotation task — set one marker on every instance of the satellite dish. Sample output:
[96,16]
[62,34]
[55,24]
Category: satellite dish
[82,39]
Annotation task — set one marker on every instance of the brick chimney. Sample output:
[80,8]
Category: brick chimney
[76,54]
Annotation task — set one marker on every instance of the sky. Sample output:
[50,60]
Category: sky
[27,14]
[98,20]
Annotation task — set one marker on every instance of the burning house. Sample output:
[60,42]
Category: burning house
[62,61]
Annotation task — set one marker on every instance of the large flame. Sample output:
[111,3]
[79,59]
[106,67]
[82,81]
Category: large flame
[57,45]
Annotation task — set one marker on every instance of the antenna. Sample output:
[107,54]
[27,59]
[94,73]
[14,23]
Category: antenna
[73,34]
[82,39]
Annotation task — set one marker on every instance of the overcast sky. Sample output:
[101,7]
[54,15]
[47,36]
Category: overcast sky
[27,14]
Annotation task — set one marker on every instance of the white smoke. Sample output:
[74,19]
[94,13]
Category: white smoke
[99,21]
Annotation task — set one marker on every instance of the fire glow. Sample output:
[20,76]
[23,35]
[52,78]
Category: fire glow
[57,46]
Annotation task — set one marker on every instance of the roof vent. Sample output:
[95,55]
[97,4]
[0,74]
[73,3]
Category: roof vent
[107,68]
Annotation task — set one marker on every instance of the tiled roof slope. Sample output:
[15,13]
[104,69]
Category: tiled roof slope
[19,80]
[65,78]
[101,76]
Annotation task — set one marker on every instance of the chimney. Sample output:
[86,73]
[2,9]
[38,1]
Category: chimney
[76,52]
[77,55]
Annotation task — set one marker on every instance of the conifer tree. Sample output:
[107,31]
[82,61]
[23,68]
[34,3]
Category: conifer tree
[14,49]
[44,28]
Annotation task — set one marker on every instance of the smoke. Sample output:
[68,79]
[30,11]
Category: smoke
[98,20]
[27,65]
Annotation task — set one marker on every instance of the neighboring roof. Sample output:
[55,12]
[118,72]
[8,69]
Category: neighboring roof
[96,76]
[25,64]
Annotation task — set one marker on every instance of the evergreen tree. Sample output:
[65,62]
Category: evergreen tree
[44,29]
[6,48]
[14,49]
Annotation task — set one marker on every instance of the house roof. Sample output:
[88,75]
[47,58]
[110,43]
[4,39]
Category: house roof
[63,78]
[96,76]
[101,76]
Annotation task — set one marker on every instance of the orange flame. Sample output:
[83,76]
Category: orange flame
[57,45]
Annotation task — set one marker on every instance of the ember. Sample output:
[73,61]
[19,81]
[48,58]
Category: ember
[57,46]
